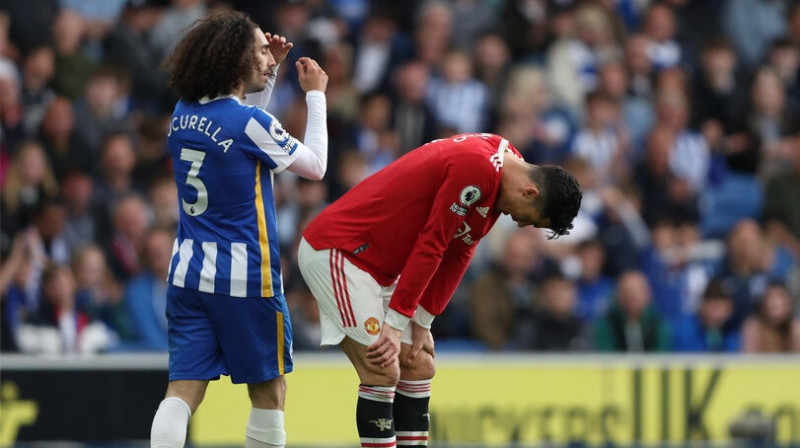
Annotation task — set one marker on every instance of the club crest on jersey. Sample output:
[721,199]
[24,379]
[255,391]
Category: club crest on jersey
[470,195]
[281,137]
[372,326]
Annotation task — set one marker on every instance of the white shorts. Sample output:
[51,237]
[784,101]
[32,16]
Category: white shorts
[351,302]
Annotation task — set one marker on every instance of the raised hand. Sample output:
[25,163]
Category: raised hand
[311,75]
[278,46]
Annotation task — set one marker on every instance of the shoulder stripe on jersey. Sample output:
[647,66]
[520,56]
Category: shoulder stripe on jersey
[280,342]
[209,271]
[185,255]
[263,238]
[238,270]
[174,251]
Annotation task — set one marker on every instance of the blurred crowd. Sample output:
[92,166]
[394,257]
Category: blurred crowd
[681,120]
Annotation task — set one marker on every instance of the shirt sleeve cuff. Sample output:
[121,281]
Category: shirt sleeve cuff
[315,94]
[396,320]
[423,318]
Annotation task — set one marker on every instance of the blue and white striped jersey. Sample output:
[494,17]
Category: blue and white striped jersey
[224,155]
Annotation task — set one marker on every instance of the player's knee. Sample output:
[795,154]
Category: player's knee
[381,376]
[422,368]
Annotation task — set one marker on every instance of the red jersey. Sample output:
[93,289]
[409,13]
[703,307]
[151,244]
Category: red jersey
[419,218]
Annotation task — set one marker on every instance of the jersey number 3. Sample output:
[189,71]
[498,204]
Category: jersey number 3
[201,204]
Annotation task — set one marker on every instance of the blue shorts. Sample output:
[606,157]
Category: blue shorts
[210,335]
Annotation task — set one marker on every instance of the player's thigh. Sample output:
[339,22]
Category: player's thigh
[254,334]
[350,300]
[194,353]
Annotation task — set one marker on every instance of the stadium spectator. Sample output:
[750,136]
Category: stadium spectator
[102,110]
[128,45]
[59,326]
[752,25]
[163,197]
[663,192]
[457,98]
[175,22]
[342,93]
[29,181]
[781,207]
[631,323]
[492,65]
[745,268]
[706,331]
[659,28]
[507,287]
[595,289]
[130,218]
[551,323]
[541,130]
[72,65]
[81,228]
[98,294]
[718,101]
[433,31]
[771,122]
[602,140]
[774,327]
[145,295]
[379,48]
[57,134]
[38,69]
[637,112]
[573,60]
[413,119]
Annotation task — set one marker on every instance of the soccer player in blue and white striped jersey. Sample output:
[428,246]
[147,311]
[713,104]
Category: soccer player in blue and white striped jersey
[226,310]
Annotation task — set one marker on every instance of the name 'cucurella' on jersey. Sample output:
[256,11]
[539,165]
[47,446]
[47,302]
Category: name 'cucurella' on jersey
[200,124]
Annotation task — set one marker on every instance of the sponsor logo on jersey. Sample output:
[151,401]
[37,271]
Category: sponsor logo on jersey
[470,195]
[372,326]
[463,234]
[458,210]
[483,211]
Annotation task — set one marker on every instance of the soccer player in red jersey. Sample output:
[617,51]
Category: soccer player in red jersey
[384,260]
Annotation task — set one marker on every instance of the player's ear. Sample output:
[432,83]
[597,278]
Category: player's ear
[531,192]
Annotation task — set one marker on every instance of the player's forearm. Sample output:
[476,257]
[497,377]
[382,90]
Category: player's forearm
[316,138]
[312,160]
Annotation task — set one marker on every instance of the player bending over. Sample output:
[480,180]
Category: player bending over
[384,260]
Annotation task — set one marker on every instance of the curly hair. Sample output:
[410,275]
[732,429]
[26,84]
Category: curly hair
[214,58]
[559,197]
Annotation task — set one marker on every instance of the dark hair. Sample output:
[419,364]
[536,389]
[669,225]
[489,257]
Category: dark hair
[214,57]
[718,289]
[559,197]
